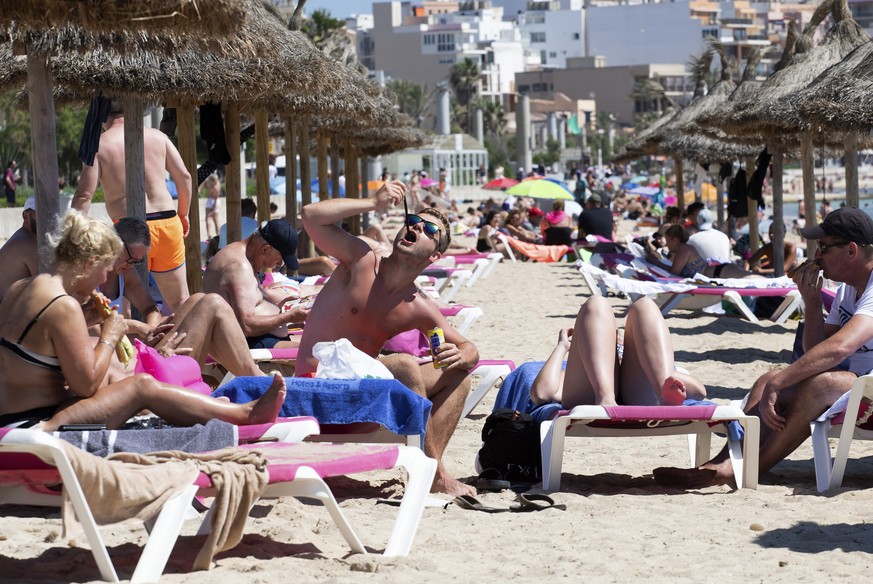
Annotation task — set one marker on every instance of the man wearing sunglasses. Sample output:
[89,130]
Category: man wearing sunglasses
[372,297]
[837,348]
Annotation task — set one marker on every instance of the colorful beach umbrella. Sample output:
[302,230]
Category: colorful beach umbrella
[560,183]
[498,184]
[540,189]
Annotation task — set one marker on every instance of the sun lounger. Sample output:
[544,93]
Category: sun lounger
[856,405]
[698,422]
[32,463]
[146,437]
[668,294]
[491,261]
[533,251]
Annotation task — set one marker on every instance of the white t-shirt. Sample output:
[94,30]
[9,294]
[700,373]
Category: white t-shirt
[712,244]
[846,305]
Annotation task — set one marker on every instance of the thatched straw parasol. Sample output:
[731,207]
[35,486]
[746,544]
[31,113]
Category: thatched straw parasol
[261,56]
[779,97]
[841,98]
[649,141]
[210,17]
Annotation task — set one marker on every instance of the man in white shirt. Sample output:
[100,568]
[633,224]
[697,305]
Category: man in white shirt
[710,243]
[838,349]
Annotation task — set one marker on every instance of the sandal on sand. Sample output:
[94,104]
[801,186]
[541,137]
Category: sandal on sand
[471,503]
[490,479]
[531,502]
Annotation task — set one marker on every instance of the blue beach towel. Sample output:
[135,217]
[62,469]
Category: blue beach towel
[341,401]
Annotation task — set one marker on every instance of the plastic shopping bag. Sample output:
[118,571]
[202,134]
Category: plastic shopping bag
[340,359]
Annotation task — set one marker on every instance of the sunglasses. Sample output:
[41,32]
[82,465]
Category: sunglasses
[823,248]
[429,227]
[132,261]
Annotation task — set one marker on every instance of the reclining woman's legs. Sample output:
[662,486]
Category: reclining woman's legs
[648,375]
[591,373]
[114,404]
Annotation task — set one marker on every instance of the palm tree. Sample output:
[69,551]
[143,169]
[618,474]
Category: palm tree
[464,80]
[412,98]
[493,117]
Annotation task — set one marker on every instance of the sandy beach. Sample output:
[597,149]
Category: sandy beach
[619,524]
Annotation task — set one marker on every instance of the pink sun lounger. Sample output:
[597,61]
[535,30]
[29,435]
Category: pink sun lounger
[33,463]
[698,422]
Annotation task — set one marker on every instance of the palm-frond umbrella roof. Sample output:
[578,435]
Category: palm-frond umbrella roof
[770,111]
[685,122]
[705,150]
[841,98]
[644,144]
[267,58]
[212,17]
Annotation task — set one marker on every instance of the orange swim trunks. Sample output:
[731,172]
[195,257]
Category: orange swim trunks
[168,245]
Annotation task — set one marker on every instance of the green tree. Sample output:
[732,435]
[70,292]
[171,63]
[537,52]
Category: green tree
[493,117]
[412,98]
[320,27]
[464,81]
[14,133]
[68,128]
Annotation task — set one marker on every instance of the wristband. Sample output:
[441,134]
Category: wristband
[107,343]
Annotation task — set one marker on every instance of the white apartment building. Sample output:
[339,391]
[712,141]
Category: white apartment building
[552,34]
[421,45]
[644,33]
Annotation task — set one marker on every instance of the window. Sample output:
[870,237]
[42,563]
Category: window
[575,36]
[445,42]
[428,39]
[537,37]
[553,54]
[524,88]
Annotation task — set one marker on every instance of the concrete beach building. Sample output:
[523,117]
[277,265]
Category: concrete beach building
[611,87]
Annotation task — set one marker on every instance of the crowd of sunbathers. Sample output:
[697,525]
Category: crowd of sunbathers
[59,347]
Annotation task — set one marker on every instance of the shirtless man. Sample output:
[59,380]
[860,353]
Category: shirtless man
[233,274]
[168,227]
[18,256]
[371,297]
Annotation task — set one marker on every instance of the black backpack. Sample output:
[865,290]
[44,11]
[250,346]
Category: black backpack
[511,447]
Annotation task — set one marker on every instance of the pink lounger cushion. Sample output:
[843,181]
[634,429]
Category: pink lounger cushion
[326,459]
[637,413]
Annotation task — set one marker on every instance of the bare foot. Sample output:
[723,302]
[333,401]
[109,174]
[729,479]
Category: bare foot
[451,486]
[267,407]
[692,478]
[673,392]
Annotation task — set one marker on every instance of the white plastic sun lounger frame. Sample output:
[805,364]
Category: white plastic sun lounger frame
[576,423]
[829,470]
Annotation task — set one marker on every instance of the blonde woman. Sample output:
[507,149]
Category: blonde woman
[54,373]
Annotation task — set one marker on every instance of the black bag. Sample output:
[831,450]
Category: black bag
[511,448]
[738,195]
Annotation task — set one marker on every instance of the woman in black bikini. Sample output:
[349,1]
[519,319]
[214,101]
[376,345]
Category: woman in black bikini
[53,372]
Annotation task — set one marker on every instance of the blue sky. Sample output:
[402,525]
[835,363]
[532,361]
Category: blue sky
[340,8]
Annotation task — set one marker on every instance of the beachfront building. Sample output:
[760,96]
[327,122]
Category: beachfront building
[590,78]
[420,43]
[640,34]
[460,154]
[862,11]
[553,31]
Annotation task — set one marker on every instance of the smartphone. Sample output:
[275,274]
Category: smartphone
[81,427]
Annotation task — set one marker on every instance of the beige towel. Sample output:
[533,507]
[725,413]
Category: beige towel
[128,485]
